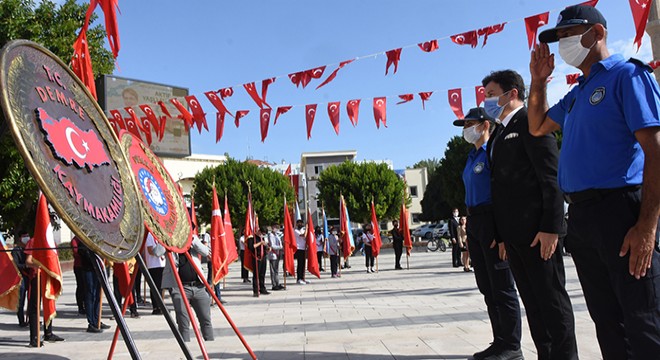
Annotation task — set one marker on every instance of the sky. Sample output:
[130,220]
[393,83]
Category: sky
[206,45]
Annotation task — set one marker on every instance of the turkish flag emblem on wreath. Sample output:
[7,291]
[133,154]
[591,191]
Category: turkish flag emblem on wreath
[71,144]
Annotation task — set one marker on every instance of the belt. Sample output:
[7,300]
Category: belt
[192,283]
[479,209]
[596,194]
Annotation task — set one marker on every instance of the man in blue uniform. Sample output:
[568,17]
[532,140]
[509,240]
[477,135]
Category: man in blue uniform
[491,269]
[609,170]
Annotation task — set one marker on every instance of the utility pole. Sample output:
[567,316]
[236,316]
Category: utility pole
[653,29]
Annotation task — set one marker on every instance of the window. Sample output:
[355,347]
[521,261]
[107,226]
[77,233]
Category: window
[318,169]
[413,191]
[415,218]
[319,204]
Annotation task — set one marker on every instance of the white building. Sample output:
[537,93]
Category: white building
[417,180]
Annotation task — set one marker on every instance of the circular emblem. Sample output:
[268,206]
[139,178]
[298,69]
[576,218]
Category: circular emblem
[70,149]
[597,96]
[152,191]
[163,208]
[478,168]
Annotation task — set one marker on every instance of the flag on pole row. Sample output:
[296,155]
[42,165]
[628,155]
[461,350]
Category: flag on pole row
[250,231]
[347,242]
[10,281]
[310,239]
[219,254]
[290,246]
[405,226]
[377,241]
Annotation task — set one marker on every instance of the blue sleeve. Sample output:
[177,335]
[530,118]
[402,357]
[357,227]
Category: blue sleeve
[640,97]
[558,111]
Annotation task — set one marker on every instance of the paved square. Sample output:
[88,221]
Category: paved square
[431,311]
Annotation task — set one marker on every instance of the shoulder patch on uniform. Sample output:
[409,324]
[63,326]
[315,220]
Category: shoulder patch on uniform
[638,62]
[597,96]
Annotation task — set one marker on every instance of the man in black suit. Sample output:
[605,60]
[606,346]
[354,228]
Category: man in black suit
[453,234]
[528,211]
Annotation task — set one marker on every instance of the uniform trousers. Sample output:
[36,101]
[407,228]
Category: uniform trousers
[274,270]
[35,322]
[626,311]
[200,301]
[541,285]
[368,256]
[300,260]
[398,251]
[495,282]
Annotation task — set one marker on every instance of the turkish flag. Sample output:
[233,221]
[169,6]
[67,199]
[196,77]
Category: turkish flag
[46,260]
[219,126]
[185,115]
[429,46]
[334,73]
[249,231]
[572,79]
[252,91]
[145,126]
[239,115]
[71,144]
[163,108]
[110,8]
[280,111]
[480,94]
[290,246]
[640,11]
[217,102]
[264,122]
[310,113]
[532,25]
[654,64]
[264,87]
[81,62]
[380,111]
[347,243]
[405,98]
[10,281]
[333,113]
[117,121]
[232,253]
[490,30]
[393,57]
[123,275]
[405,226]
[226,92]
[133,123]
[425,96]
[353,109]
[377,241]
[297,78]
[163,122]
[218,242]
[310,74]
[467,38]
[287,172]
[310,239]
[456,102]
[151,116]
[199,116]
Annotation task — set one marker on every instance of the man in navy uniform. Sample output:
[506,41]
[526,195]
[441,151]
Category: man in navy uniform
[609,171]
[529,212]
[491,269]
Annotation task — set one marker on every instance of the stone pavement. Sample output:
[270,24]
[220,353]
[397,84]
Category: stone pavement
[431,311]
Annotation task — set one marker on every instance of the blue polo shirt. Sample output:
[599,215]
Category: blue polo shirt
[599,117]
[476,177]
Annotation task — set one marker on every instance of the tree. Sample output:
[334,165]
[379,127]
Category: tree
[359,183]
[268,190]
[431,165]
[56,28]
[445,189]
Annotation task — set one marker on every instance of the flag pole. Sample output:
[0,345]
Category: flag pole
[222,308]
[39,307]
[128,299]
[98,325]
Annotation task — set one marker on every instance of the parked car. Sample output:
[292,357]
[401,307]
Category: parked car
[426,231]
[441,231]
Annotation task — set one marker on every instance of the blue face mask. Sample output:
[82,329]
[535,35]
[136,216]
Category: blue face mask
[492,106]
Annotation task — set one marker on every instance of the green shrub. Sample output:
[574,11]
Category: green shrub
[65,252]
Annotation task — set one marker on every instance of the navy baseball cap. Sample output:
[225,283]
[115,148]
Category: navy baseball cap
[573,16]
[475,114]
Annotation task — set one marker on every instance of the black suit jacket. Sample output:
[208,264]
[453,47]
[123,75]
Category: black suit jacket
[453,228]
[524,189]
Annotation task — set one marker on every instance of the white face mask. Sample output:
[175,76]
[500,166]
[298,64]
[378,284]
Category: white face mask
[471,134]
[455,213]
[334,233]
[25,239]
[572,51]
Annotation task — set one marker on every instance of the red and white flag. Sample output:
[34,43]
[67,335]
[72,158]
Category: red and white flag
[239,115]
[333,114]
[334,73]
[290,246]
[232,252]
[151,117]
[310,239]
[281,111]
[117,121]
[572,79]
[429,46]
[380,111]
[393,57]
[226,92]
[405,98]
[425,96]
[133,123]
[480,94]
[377,241]
[467,38]
[47,260]
[10,281]
[405,226]
[456,102]
[640,11]
[353,109]
[490,30]
[199,116]
[249,231]
[218,242]
[310,113]
[532,25]
[264,122]
[186,116]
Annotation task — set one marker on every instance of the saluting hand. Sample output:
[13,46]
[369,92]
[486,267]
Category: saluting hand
[640,242]
[548,244]
[542,62]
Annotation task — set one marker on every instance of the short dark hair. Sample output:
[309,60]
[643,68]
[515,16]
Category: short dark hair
[507,80]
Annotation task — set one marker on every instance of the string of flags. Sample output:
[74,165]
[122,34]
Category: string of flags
[196,117]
